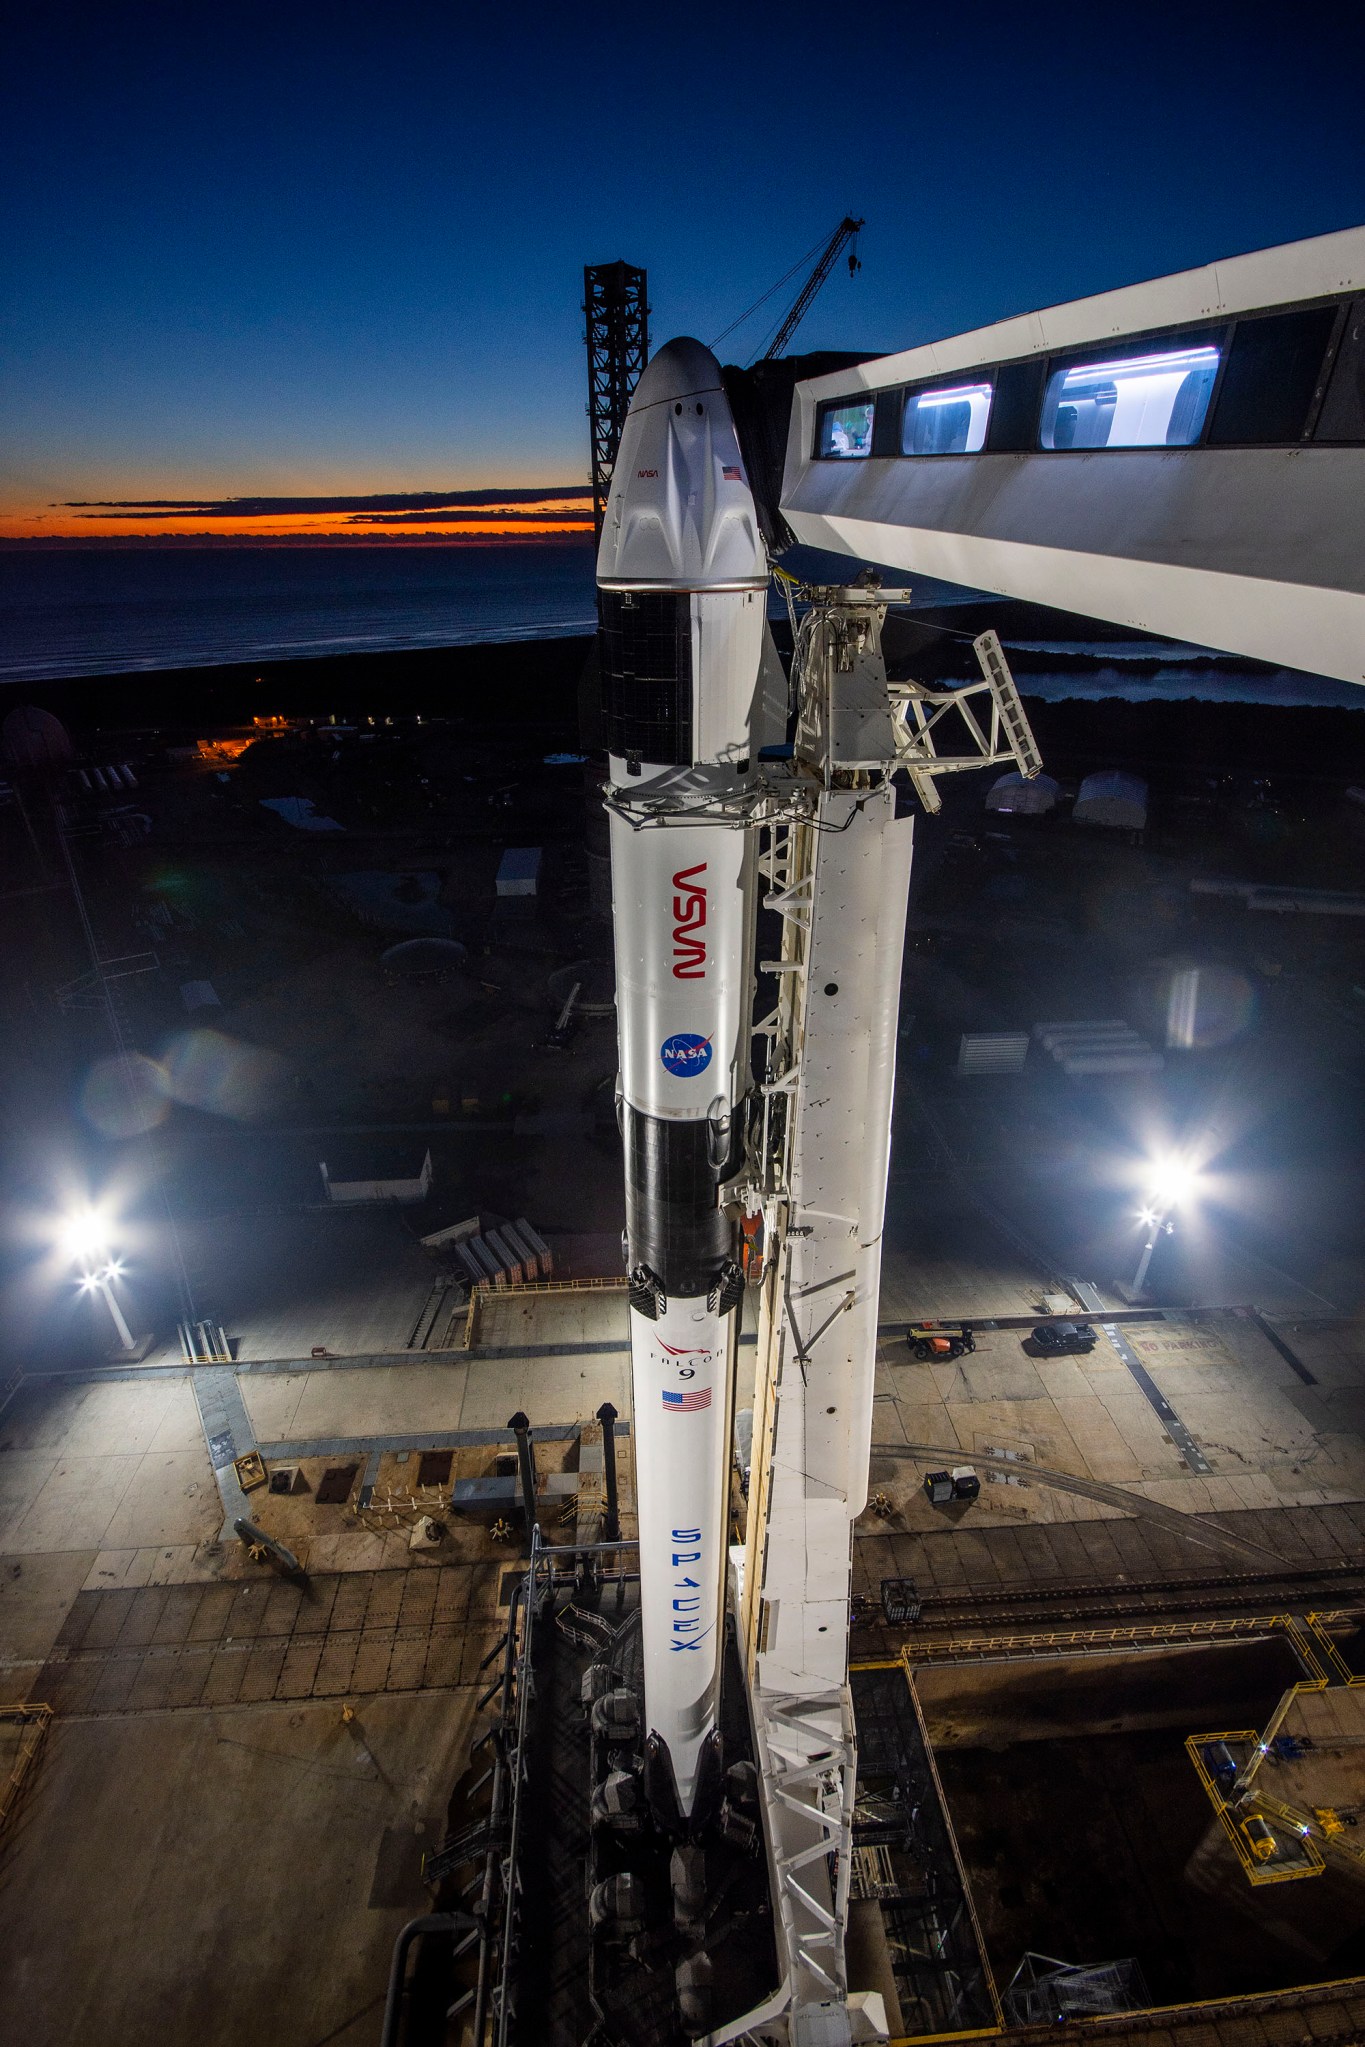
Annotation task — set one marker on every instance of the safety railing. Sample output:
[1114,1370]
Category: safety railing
[485,1291]
[1153,1634]
[31,1722]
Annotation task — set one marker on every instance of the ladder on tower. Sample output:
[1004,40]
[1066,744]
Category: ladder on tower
[616,307]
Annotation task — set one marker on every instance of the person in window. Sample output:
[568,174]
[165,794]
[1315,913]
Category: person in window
[850,431]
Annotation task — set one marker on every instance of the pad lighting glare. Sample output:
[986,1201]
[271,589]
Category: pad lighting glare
[84,1235]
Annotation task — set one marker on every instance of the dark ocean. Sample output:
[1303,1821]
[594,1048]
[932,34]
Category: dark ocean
[115,610]
[107,611]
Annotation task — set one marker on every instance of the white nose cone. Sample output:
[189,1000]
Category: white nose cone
[681,515]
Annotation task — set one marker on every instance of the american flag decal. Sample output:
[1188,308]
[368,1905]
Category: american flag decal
[687,1403]
[733,475]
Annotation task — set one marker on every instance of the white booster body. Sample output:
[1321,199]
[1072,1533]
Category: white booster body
[682,902]
[682,576]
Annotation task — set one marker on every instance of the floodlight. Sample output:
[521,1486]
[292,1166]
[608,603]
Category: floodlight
[84,1234]
[1171,1182]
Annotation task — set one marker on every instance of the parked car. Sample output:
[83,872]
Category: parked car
[1064,1339]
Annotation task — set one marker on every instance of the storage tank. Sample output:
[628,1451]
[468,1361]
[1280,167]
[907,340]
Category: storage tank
[1112,799]
[1012,796]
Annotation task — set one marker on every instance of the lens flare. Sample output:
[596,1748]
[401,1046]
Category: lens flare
[222,1076]
[1205,1006]
[124,1097]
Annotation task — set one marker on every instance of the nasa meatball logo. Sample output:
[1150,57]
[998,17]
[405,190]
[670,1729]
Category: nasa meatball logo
[685,1054]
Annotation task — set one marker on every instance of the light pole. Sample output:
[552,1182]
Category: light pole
[85,1240]
[1156,1221]
[1170,1184]
[102,1283]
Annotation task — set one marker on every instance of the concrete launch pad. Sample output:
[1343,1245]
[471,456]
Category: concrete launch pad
[154,1681]
[225,1873]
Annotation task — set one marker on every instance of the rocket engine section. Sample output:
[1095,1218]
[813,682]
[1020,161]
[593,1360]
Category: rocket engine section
[682,578]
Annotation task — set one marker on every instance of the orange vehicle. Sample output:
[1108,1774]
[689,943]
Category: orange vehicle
[931,1340]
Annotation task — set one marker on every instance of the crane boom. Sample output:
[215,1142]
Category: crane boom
[847,231]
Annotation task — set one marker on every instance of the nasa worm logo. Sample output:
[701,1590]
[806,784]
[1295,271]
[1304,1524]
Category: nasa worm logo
[685,1054]
[689,914]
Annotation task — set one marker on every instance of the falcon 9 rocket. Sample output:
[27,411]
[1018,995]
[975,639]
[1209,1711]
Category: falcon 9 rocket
[682,577]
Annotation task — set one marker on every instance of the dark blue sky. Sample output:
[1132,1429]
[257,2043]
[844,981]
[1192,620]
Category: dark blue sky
[297,248]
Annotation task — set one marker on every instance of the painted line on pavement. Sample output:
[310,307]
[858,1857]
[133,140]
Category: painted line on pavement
[1155,1398]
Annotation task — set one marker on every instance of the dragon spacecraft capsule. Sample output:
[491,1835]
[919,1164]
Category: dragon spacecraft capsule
[682,577]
